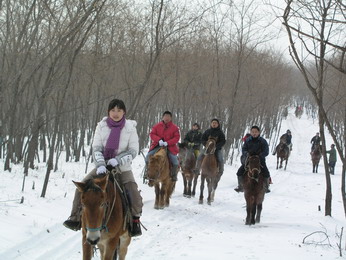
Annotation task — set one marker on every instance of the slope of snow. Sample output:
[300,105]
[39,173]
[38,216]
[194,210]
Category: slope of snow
[186,230]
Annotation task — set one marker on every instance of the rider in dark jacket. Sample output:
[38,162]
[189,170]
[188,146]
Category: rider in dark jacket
[193,138]
[214,131]
[288,139]
[254,145]
[316,140]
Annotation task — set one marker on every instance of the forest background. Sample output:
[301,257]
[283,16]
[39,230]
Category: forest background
[61,62]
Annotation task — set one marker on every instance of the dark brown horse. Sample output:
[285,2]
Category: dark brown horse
[315,157]
[209,170]
[187,160]
[282,153]
[159,176]
[254,189]
[103,219]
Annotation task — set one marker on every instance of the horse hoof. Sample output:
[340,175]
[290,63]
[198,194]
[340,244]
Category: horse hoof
[156,207]
[200,202]
[209,203]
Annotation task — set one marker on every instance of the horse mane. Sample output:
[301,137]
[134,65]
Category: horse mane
[91,185]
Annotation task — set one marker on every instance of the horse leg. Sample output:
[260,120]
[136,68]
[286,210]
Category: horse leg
[213,186]
[189,184]
[281,160]
[277,162]
[195,178]
[124,243]
[185,185]
[210,189]
[87,249]
[201,190]
[286,164]
[253,213]
[163,195]
[259,210]
[157,196]
[249,202]
[168,192]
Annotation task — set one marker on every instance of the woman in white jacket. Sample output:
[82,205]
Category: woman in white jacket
[115,143]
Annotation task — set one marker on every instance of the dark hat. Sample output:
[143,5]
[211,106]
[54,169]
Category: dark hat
[167,113]
[116,103]
[288,131]
[215,119]
[255,127]
[196,124]
[332,145]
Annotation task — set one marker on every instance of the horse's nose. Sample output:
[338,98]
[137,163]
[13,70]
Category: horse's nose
[256,175]
[93,242]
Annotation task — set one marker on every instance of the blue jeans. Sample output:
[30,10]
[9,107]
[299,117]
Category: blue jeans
[173,158]
[219,158]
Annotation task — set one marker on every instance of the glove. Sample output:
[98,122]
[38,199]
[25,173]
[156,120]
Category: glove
[101,170]
[161,143]
[127,159]
[191,144]
[164,143]
[113,162]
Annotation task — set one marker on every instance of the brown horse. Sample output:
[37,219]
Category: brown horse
[282,153]
[254,189]
[159,176]
[103,219]
[187,160]
[209,170]
[315,157]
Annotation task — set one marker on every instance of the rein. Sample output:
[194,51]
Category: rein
[251,170]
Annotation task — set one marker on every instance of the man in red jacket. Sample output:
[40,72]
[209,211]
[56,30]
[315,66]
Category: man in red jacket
[165,133]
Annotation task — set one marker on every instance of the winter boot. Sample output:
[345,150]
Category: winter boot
[267,181]
[73,222]
[174,173]
[240,184]
[135,229]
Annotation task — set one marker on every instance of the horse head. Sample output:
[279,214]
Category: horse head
[253,166]
[210,145]
[155,166]
[94,203]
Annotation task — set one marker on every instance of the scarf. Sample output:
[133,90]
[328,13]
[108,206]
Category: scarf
[112,145]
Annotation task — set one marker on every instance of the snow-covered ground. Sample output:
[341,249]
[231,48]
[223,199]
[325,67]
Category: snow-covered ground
[186,230]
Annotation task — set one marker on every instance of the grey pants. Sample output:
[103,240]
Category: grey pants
[131,189]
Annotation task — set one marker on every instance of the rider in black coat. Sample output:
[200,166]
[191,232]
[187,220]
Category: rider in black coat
[254,145]
[193,138]
[214,131]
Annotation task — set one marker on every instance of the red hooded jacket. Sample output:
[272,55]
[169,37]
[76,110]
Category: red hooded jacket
[167,132]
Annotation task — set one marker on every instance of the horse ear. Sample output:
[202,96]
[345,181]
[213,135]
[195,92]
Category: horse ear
[102,182]
[80,185]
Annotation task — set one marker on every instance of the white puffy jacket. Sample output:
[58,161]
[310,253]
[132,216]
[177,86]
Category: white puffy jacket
[128,144]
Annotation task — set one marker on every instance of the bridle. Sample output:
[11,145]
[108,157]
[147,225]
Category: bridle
[106,218]
[207,147]
[250,172]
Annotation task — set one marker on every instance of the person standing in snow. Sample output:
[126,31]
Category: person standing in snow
[115,144]
[332,158]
